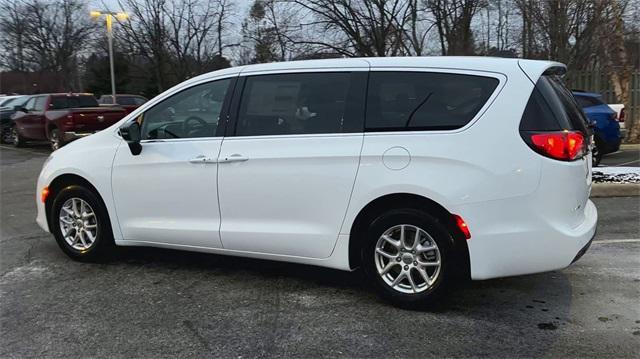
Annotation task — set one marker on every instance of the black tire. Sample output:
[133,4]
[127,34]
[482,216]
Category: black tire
[5,137]
[16,139]
[596,152]
[55,140]
[438,233]
[103,244]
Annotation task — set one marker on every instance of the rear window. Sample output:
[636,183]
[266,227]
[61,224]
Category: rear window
[588,101]
[129,100]
[413,101]
[62,102]
[552,107]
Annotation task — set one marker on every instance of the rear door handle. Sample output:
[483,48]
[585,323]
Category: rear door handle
[233,158]
[203,159]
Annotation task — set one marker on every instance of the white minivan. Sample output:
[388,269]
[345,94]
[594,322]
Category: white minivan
[415,169]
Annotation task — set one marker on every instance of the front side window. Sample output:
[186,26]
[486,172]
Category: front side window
[31,104]
[194,112]
[302,103]
[411,101]
[40,103]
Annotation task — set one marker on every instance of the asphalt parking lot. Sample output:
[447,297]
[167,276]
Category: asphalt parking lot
[628,156]
[155,303]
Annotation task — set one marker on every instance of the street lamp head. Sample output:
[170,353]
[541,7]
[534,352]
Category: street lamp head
[122,16]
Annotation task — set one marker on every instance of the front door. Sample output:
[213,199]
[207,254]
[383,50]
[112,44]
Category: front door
[168,193]
[286,177]
[32,124]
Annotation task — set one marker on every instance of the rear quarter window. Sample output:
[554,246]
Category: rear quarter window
[411,101]
[552,107]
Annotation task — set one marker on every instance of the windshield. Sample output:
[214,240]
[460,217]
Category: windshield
[16,101]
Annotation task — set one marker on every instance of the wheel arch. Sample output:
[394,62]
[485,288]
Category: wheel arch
[65,180]
[406,200]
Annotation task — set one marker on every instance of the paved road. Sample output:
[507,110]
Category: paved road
[629,156]
[153,303]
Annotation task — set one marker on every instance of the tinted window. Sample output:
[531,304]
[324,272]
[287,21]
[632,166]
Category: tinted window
[193,112]
[587,101]
[126,100]
[62,102]
[16,101]
[105,100]
[130,100]
[303,103]
[552,107]
[425,101]
[30,105]
[40,102]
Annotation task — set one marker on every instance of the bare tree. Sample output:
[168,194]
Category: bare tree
[13,28]
[453,20]
[365,28]
[46,36]
[617,62]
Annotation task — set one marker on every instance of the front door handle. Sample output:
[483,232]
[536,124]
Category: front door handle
[202,159]
[233,158]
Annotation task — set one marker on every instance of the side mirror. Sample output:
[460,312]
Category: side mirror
[130,132]
[20,109]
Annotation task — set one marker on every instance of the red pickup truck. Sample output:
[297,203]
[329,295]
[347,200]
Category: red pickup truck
[61,118]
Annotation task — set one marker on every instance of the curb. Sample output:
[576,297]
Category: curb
[630,146]
[615,189]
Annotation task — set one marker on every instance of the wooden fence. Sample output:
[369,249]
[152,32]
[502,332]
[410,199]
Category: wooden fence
[597,81]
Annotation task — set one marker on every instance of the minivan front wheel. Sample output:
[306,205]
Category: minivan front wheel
[80,224]
[405,257]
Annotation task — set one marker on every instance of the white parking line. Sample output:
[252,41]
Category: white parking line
[23,150]
[630,240]
[626,163]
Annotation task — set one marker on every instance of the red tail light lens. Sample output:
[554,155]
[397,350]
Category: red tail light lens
[566,145]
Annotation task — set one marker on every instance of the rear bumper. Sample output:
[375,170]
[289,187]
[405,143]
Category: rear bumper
[523,241]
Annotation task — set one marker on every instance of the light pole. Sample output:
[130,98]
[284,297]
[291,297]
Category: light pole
[108,15]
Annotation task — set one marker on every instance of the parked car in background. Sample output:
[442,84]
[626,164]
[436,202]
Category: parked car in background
[619,109]
[61,118]
[128,102]
[607,135]
[389,164]
[6,113]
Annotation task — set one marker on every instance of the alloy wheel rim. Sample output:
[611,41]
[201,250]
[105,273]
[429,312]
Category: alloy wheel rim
[14,135]
[408,259]
[78,223]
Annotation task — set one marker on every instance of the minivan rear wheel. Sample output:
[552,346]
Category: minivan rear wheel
[405,257]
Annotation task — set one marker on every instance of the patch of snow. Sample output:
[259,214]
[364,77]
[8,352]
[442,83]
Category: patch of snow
[616,174]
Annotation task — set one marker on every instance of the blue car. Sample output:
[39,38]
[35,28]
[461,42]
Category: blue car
[606,134]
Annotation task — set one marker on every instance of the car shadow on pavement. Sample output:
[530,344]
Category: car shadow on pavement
[545,296]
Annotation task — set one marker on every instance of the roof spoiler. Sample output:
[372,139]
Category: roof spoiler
[555,70]
[533,69]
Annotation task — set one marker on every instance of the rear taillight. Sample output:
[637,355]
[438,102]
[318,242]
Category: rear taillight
[621,118]
[563,145]
[69,121]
